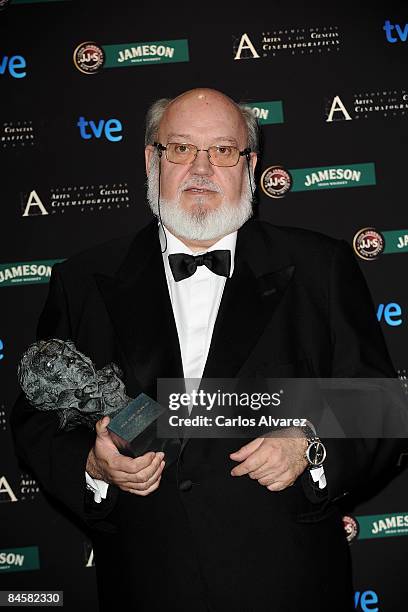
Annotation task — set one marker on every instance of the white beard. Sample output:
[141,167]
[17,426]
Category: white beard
[201,223]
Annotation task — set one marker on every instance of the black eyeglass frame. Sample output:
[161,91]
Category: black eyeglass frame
[162,148]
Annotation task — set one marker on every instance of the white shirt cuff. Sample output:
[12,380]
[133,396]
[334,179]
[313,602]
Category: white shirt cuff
[318,475]
[99,487]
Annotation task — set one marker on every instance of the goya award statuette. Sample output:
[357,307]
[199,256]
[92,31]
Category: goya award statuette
[54,375]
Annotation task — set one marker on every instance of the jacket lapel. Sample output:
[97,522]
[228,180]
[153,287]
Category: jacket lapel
[263,271]
[138,303]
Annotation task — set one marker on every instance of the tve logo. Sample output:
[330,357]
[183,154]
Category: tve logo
[402,32]
[390,313]
[1,349]
[15,65]
[99,128]
[366,601]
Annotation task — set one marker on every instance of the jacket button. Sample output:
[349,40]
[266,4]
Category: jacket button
[185,485]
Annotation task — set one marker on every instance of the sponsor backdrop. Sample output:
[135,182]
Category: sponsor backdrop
[328,88]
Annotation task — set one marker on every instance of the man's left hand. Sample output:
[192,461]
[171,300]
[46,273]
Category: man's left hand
[274,462]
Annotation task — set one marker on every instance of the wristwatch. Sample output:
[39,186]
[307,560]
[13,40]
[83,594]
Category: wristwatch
[315,452]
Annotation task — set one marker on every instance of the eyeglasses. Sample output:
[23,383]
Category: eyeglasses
[218,155]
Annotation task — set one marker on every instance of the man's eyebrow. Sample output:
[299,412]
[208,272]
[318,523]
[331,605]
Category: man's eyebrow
[226,139]
[184,136]
[188,137]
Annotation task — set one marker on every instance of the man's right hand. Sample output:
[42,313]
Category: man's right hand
[140,475]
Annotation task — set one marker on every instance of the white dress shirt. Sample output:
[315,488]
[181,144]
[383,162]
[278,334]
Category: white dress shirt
[195,301]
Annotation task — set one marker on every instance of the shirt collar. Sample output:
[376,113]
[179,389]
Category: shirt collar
[174,245]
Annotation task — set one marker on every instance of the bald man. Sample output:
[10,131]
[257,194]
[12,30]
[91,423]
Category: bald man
[232,525]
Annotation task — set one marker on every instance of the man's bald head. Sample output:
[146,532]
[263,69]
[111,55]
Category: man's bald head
[199,99]
[204,96]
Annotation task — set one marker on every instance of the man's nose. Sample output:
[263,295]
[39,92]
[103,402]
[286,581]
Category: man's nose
[201,165]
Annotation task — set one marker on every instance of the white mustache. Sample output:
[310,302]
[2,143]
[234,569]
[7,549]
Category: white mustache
[202,183]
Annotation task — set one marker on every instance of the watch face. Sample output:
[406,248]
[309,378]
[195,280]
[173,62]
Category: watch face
[316,453]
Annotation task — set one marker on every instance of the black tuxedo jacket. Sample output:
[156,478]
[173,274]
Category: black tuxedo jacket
[297,306]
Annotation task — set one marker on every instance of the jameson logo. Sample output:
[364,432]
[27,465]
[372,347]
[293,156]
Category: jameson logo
[143,53]
[19,559]
[396,241]
[33,272]
[369,243]
[383,525]
[403,242]
[267,112]
[333,177]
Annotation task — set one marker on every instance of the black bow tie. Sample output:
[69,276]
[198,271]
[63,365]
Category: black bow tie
[183,265]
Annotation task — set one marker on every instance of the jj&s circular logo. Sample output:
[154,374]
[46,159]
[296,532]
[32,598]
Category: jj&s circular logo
[351,528]
[368,243]
[276,181]
[89,57]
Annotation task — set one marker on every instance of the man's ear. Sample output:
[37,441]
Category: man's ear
[149,150]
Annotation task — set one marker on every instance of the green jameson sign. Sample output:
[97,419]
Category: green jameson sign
[267,112]
[383,525]
[31,272]
[333,177]
[19,559]
[144,53]
[396,241]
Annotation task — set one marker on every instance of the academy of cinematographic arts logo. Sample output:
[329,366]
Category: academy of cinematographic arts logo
[387,103]
[369,243]
[91,57]
[7,493]
[276,181]
[288,40]
[79,198]
[16,134]
[29,488]
[26,490]
[27,272]
[89,554]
